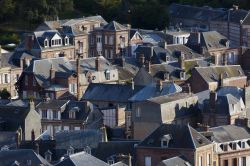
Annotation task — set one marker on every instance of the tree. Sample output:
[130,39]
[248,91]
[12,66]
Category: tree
[4,94]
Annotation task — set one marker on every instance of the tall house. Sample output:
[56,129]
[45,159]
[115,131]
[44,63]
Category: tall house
[110,41]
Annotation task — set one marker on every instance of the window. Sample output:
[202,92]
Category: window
[76,128]
[106,39]
[98,39]
[17,77]
[138,112]
[44,114]
[110,56]
[55,114]
[56,42]
[234,146]
[111,40]
[80,47]
[107,74]
[73,88]
[225,162]
[234,161]
[147,161]
[66,128]
[6,78]
[66,40]
[106,53]
[91,40]
[46,43]
[72,114]
[209,159]
[200,161]
[243,161]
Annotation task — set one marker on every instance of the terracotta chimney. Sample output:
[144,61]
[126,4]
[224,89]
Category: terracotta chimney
[97,63]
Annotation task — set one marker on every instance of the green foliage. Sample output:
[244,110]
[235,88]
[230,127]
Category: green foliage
[4,94]
[148,14]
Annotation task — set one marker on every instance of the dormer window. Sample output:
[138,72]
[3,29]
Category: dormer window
[107,74]
[56,42]
[182,75]
[165,140]
[66,41]
[46,43]
[72,114]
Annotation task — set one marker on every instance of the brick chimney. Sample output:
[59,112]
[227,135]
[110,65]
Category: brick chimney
[78,72]
[159,85]
[29,41]
[97,63]
[148,66]
[104,134]
[181,61]
[141,60]
[212,100]
[52,74]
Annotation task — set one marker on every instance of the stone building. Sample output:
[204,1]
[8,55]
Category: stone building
[148,115]
[57,115]
[9,74]
[77,29]
[22,119]
[110,41]
[232,23]
[213,77]
[60,78]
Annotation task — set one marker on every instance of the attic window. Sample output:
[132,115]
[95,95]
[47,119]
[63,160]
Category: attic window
[107,74]
[226,74]
[199,139]
[66,40]
[46,43]
[165,140]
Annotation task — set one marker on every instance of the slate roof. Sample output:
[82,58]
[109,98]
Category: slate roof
[213,40]
[158,70]
[88,64]
[114,26]
[81,159]
[225,105]
[20,54]
[7,138]
[151,91]
[229,133]
[41,69]
[5,60]
[169,98]
[193,12]
[234,16]
[110,92]
[112,148]
[212,73]
[79,107]
[13,116]
[183,137]
[143,78]
[52,104]
[78,139]
[154,54]
[234,91]
[178,161]
[21,156]
[187,52]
